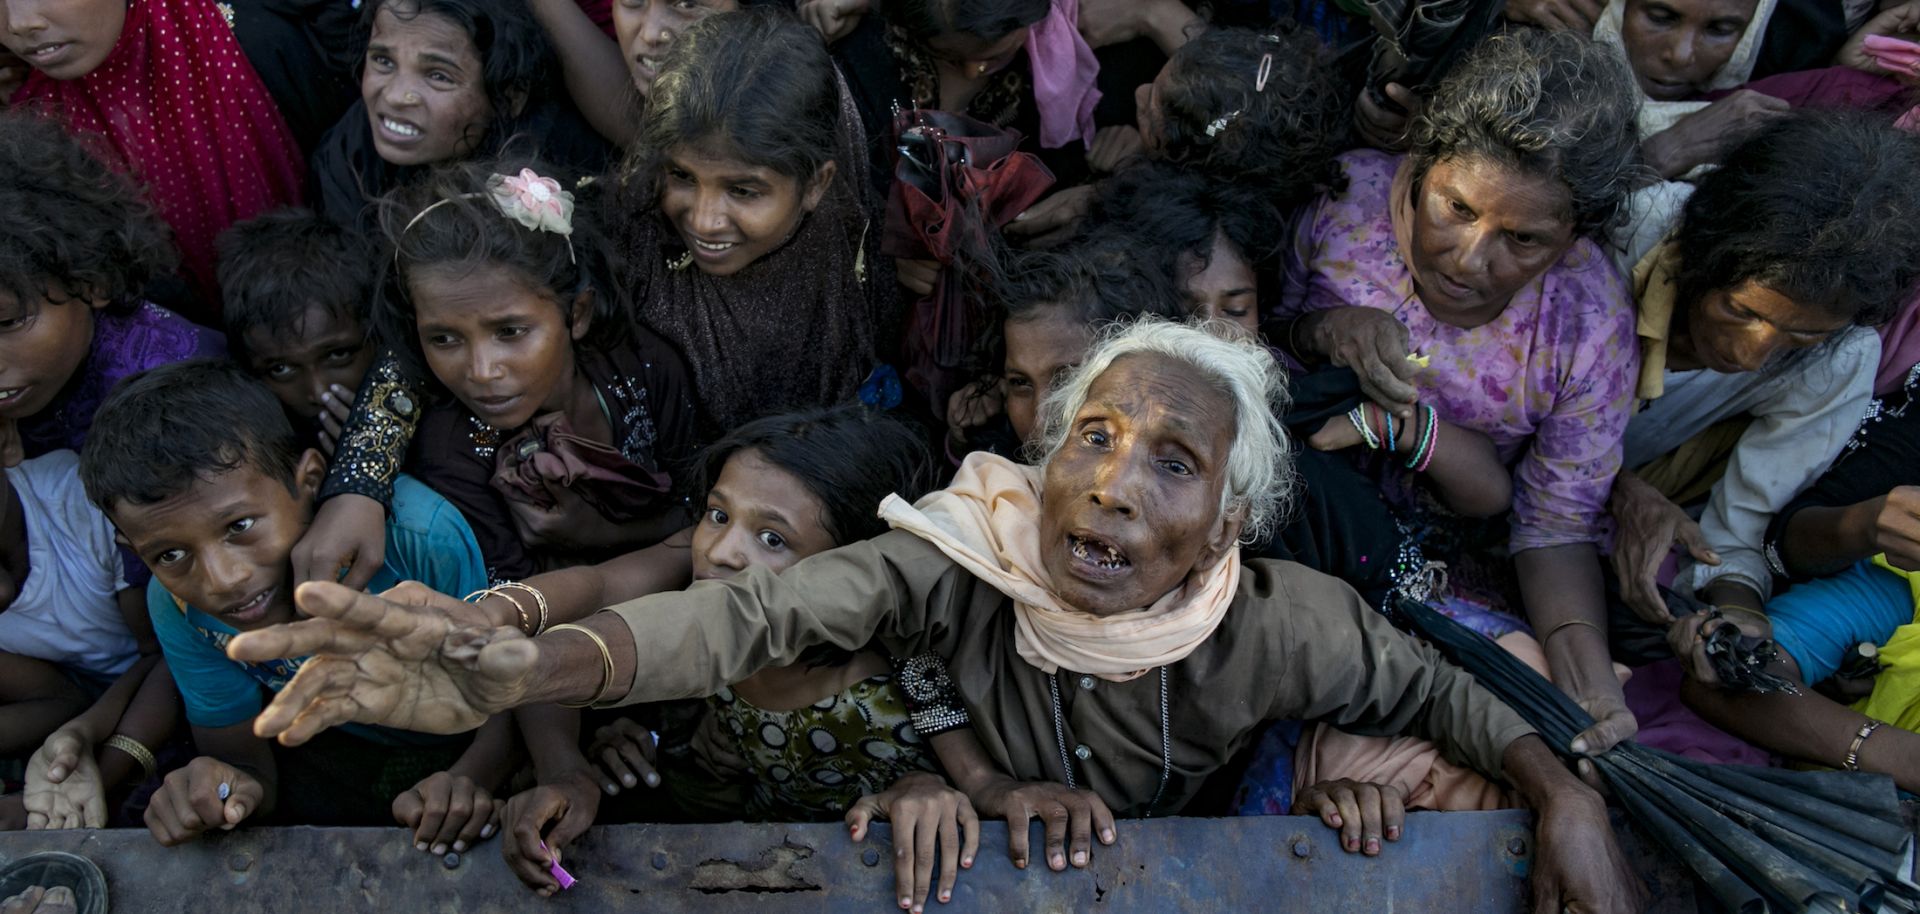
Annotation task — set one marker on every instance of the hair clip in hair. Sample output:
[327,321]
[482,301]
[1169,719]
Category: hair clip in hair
[1220,123]
[535,202]
[1265,72]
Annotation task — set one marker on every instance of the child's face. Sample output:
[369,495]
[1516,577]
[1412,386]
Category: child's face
[65,39]
[975,56]
[1040,348]
[1226,289]
[423,87]
[757,514]
[503,349]
[41,346]
[323,348]
[731,213]
[647,28]
[224,544]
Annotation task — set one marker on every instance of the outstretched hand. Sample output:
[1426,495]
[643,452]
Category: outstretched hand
[405,659]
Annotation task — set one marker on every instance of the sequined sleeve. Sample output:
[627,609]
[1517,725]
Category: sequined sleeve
[374,444]
[933,704]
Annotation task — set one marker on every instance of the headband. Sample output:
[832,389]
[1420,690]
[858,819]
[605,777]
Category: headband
[534,201]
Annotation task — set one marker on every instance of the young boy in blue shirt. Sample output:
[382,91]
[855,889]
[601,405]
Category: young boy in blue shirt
[203,476]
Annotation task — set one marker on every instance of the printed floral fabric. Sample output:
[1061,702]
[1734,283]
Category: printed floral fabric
[1550,380]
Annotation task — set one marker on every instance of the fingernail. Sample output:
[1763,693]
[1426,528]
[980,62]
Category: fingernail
[1057,861]
[439,849]
[1019,864]
[1079,858]
[906,903]
[1107,836]
[420,845]
[1336,820]
[1393,833]
[966,861]
[1580,746]
[326,396]
[1020,217]
[1353,845]
[918,908]
[653,780]
[486,831]
[56,773]
[945,896]
[610,787]
[1373,846]
[628,780]
[459,847]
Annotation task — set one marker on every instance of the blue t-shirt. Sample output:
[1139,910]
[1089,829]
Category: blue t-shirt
[427,541]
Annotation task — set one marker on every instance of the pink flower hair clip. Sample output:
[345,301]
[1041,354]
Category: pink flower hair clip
[533,200]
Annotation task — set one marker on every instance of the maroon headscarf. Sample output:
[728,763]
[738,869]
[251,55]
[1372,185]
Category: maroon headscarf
[180,108]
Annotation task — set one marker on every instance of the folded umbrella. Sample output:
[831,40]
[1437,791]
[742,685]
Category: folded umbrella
[1758,839]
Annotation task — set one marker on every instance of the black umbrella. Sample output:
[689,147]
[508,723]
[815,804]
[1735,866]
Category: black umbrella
[1759,839]
[1418,41]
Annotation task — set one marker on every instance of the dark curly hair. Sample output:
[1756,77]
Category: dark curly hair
[76,228]
[1174,212]
[1551,104]
[1279,140]
[756,84]
[275,266]
[450,218]
[516,62]
[987,20]
[1818,207]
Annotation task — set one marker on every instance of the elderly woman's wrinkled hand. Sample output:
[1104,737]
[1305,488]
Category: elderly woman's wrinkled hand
[1364,812]
[1070,816]
[1577,864]
[926,813]
[410,659]
[1688,637]
[1371,342]
[1646,525]
[1706,136]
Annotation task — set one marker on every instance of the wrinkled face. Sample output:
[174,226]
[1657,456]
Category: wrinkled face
[65,39]
[1130,504]
[1745,328]
[731,213]
[646,28]
[757,514]
[504,349]
[225,544]
[1224,288]
[1041,347]
[1481,232]
[424,88]
[973,55]
[41,346]
[320,348]
[1675,46]
[1149,116]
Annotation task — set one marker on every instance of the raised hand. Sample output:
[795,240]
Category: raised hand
[408,659]
[63,784]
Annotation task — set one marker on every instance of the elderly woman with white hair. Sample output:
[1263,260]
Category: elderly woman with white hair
[1101,629]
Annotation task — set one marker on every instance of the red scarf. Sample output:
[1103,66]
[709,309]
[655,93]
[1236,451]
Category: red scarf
[180,108]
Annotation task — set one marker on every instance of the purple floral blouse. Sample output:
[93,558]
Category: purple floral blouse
[123,344]
[1550,380]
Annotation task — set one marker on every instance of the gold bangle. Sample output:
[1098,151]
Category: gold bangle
[526,624]
[140,753]
[606,664]
[1556,629]
[539,600]
[1859,739]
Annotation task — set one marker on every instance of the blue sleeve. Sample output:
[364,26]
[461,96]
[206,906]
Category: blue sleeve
[217,692]
[428,540]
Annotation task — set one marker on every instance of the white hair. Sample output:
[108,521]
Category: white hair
[1260,464]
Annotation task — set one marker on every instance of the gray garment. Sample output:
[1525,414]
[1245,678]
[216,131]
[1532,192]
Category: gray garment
[1296,645]
[1801,418]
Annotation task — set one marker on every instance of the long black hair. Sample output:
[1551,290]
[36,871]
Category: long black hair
[450,218]
[516,62]
[1176,212]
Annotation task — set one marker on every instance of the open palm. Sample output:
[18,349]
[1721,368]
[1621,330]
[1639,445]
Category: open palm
[410,658]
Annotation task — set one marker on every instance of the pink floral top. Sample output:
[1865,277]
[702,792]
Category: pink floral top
[1550,380]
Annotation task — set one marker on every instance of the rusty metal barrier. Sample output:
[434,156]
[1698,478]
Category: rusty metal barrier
[1469,862]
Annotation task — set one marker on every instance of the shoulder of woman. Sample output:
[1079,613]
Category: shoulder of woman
[1291,602]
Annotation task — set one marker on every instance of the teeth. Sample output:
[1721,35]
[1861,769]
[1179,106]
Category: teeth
[399,128]
[651,63]
[1111,561]
[10,393]
[706,246]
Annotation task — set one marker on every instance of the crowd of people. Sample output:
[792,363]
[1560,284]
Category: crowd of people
[942,410]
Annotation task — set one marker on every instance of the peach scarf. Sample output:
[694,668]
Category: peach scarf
[988,521]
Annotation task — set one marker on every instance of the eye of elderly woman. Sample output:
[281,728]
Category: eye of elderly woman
[1132,503]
